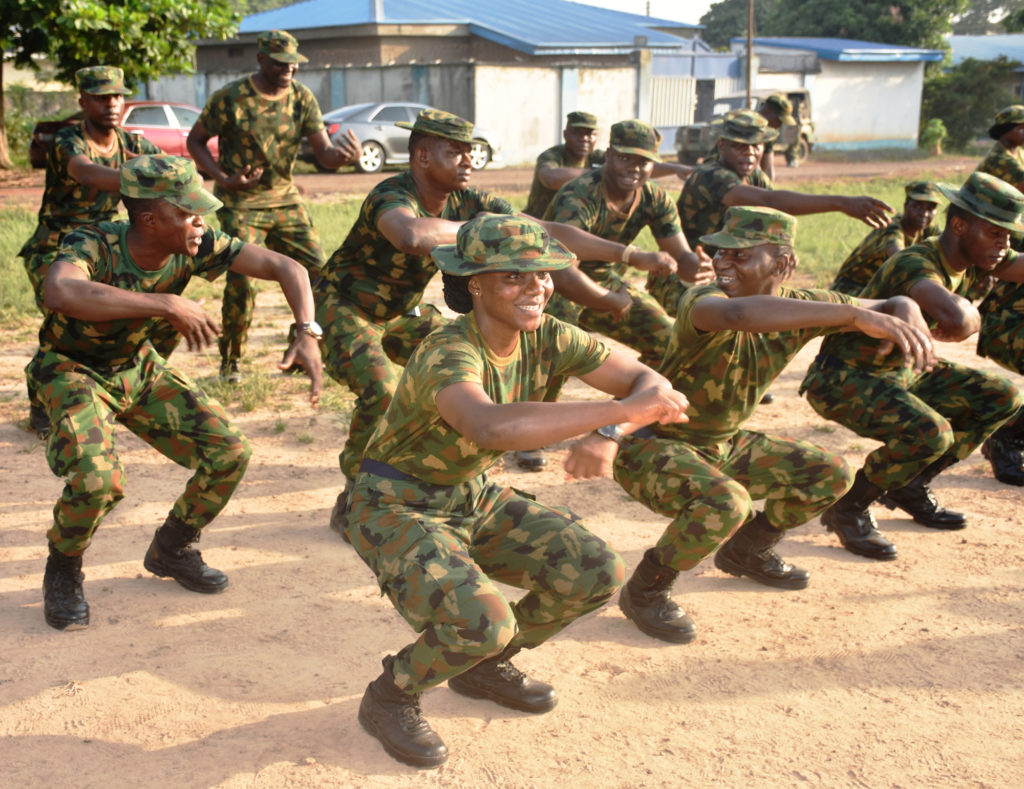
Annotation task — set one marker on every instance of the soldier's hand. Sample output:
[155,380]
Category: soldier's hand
[700,270]
[658,264]
[591,456]
[916,345]
[306,351]
[246,178]
[195,325]
[656,404]
[869,210]
[619,301]
[350,146]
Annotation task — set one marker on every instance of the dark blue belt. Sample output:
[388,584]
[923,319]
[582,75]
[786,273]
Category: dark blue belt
[386,470]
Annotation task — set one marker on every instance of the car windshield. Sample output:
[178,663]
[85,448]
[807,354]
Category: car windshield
[346,112]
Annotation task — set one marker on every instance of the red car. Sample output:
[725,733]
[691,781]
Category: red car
[164,123]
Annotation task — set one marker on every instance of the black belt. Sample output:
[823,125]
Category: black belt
[826,361]
[385,470]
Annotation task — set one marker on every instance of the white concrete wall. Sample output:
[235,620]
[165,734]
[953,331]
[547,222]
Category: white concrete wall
[520,105]
[609,93]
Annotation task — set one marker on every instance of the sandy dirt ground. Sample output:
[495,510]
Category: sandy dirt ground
[902,674]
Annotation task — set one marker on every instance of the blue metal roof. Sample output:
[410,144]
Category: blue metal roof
[1010,45]
[543,27]
[849,50]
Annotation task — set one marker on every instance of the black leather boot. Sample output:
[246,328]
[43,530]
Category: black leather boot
[1004,449]
[645,600]
[749,552]
[917,500]
[64,606]
[853,523]
[394,717]
[171,555]
[498,680]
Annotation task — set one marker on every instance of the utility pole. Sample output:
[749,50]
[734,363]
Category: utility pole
[750,49]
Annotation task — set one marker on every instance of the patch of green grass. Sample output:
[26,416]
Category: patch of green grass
[304,438]
[280,426]
[826,428]
[17,302]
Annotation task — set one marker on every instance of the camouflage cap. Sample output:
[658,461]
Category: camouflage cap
[749,226]
[1007,119]
[438,123]
[988,198]
[925,191]
[172,178]
[280,45]
[636,137]
[501,242]
[746,126]
[101,81]
[783,108]
[583,120]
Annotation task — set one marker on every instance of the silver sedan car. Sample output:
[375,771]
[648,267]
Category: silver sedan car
[384,143]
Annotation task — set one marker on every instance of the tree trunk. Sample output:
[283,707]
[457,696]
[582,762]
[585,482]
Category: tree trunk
[5,154]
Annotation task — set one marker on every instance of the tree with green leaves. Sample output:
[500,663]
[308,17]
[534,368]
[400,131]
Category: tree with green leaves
[727,20]
[967,97]
[985,17]
[146,38]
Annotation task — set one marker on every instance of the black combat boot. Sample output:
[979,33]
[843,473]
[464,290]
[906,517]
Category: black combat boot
[917,500]
[1004,449]
[498,680]
[854,524]
[394,717]
[749,552]
[645,600]
[64,605]
[171,555]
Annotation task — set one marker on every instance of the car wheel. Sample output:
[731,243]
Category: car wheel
[371,159]
[797,153]
[479,154]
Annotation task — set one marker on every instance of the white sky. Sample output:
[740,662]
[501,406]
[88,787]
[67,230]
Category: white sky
[689,11]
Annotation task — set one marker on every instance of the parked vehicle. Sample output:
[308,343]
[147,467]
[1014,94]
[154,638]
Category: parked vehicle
[697,139]
[166,124]
[384,143]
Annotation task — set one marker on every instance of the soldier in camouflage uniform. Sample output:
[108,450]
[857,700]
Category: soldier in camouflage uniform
[436,533]
[777,110]
[260,121]
[927,421]
[561,163]
[732,338]
[913,225]
[82,186]
[1005,158]
[106,291]
[369,299]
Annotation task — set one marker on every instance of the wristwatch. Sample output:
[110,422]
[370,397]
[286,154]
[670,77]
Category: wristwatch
[312,328]
[612,433]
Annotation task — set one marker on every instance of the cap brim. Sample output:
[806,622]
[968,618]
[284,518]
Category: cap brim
[923,197]
[114,91]
[637,151]
[201,202]
[581,125]
[953,195]
[725,240]
[769,135]
[287,57]
[451,262]
[412,127]
[787,118]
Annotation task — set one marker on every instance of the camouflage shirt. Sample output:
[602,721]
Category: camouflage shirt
[724,374]
[897,276]
[1005,296]
[414,438]
[582,203]
[1008,165]
[872,252]
[700,205]
[540,196]
[66,203]
[102,253]
[375,276]
[262,132]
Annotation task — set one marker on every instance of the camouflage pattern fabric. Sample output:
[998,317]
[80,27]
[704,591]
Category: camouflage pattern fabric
[748,226]
[439,552]
[1004,164]
[261,132]
[866,258]
[101,81]
[414,438]
[919,416]
[371,273]
[491,243]
[700,205]
[581,203]
[709,490]
[635,137]
[540,196]
[367,355]
[438,123]
[288,230]
[1001,338]
[101,252]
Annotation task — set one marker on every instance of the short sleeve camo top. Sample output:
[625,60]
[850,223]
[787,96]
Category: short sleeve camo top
[375,276]
[414,438]
[540,196]
[581,203]
[262,132]
[700,205]
[724,374]
[102,253]
[1008,165]
[872,252]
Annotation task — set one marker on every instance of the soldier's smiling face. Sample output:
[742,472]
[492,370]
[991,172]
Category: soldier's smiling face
[750,271]
[275,72]
[513,299]
[627,172]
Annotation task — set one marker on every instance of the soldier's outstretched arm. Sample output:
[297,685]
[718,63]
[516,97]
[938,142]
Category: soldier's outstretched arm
[957,318]
[94,176]
[869,210]
[416,235]
[576,286]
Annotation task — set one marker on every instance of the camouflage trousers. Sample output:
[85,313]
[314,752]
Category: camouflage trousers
[709,491]
[161,406]
[668,291]
[645,328]
[287,230]
[438,551]
[919,417]
[368,356]
[1001,337]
